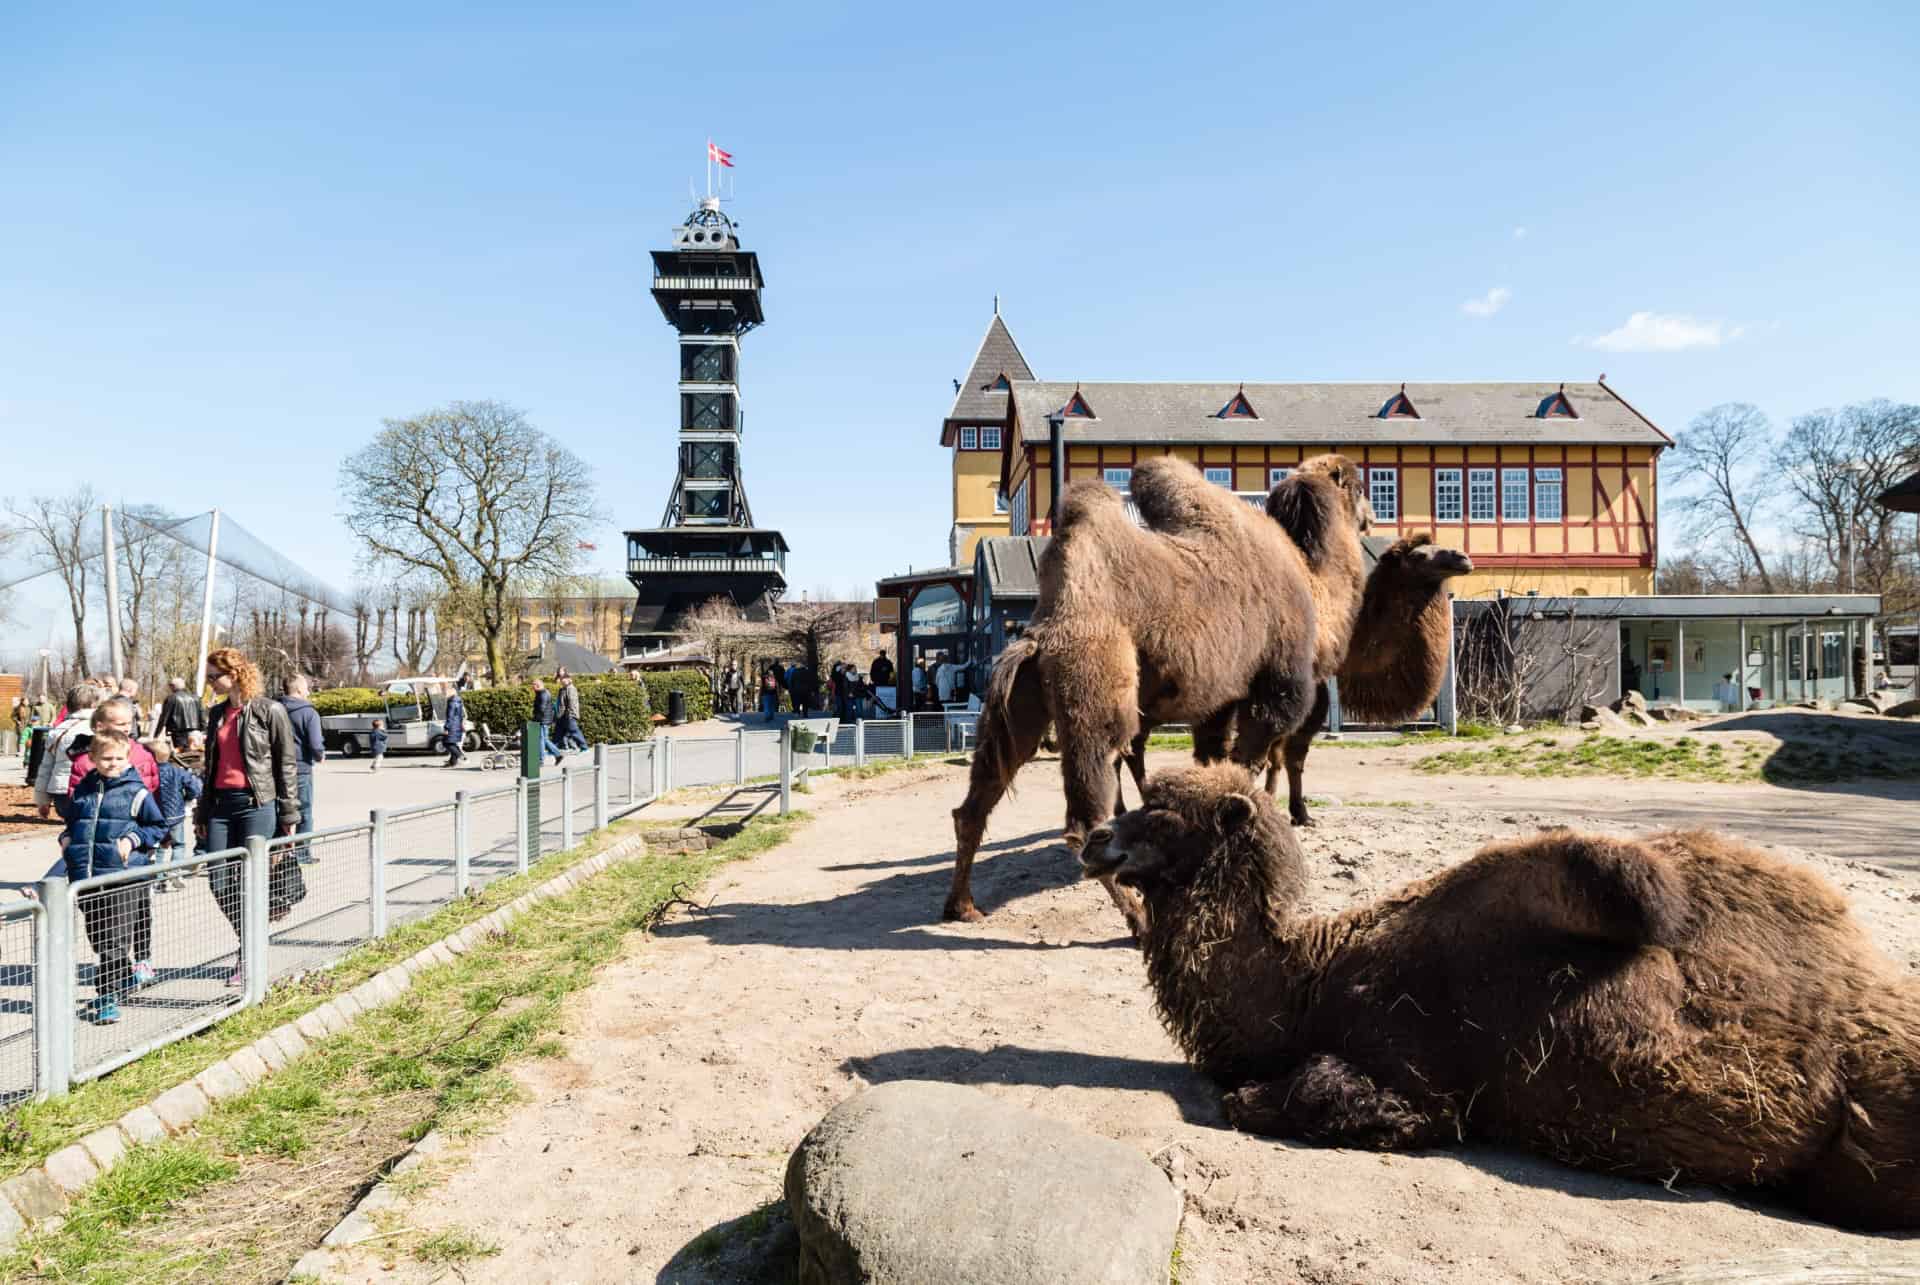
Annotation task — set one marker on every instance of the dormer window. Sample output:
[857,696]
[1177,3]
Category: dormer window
[1238,408]
[1556,406]
[1077,408]
[1399,406]
[999,384]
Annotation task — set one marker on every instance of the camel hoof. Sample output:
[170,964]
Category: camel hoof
[1304,822]
[965,914]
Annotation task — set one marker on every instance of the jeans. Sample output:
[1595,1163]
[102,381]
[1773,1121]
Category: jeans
[233,818]
[111,916]
[305,778]
[546,741]
[570,733]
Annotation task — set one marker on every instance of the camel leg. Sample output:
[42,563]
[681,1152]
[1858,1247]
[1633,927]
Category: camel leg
[1868,1176]
[1327,1100]
[1009,737]
[1091,783]
[1210,736]
[1279,702]
[1135,761]
[1293,755]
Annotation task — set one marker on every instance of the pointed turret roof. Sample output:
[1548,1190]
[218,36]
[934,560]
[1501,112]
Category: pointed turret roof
[978,401]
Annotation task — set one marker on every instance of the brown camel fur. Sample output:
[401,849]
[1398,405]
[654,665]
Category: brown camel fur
[1134,628]
[1680,1007]
[1397,660]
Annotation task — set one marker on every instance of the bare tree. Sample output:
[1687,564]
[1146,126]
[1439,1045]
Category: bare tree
[815,630]
[1515,663]
[475,496]
[369,631]
[1835,463]
[59,525]
[1724,452]
[413,634]
[726,635]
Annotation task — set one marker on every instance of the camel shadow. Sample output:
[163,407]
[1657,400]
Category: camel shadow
[902,911]
[1014,1064]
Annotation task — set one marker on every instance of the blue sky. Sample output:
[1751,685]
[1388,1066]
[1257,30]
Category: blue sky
[231,242]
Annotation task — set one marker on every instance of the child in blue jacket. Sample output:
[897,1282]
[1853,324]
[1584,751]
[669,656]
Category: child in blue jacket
[178,789]
[110,816]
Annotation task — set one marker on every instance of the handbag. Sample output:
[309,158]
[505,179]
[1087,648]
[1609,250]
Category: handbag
[286,886]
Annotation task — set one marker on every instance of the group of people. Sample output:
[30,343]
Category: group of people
[559,716]
[125,802]
[848,692]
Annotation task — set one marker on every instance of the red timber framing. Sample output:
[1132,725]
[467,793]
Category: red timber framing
[1633,513]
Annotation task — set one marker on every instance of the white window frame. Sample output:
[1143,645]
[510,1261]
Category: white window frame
[1524,489]
[969,439]
[1119,477]
[1389,512]
[1449,483]
[1219,476]
[999,500]
[1490,480]
[1275,476]
[990,439]
[1547,482]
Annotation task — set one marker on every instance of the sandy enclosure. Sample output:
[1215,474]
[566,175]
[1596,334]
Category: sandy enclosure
[694,1065]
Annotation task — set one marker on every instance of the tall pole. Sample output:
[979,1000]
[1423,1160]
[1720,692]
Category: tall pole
[116,661]
[206,609]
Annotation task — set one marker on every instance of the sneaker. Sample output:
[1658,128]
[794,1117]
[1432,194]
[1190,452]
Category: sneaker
[106,1010]
[308,859]
[143,974]
[236,979]
[176,883]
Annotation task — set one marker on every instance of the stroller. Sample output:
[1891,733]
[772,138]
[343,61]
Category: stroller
[497,750]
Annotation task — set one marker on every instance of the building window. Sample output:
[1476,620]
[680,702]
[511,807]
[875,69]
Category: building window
[706,410]
[1446,495]
[1238,408]
[706,363]
[1833,652]
[1557,406]
[989,439]
[1546,494]
[1513,494]
[1220,477]
[1275,476]
[969,439]
[1793,656]
[1399,406]
[708,461]
[706,504]
[1480,494]
[1383,488]
[1077,408]
[999,501]
[1120,479]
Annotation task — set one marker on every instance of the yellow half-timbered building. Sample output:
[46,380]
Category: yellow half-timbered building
[1551,487]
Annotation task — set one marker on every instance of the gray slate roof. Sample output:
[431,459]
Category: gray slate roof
[998,355]
[1011,564]
[1333,414]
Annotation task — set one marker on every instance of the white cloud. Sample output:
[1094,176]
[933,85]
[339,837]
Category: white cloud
[1520,233]
[1663,332]
[1487,304]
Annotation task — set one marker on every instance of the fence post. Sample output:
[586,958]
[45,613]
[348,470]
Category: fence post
[600,787]
[859,742]
[462,857]
[53,1014]
[520,826]
[740,755]
[566,808]
[786,771]
[906,734]
[377,875]
[253,920]
[633,784]
[666,743]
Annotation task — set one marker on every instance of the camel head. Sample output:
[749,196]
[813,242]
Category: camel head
[1418,555]
[1349,477]
[1195,825]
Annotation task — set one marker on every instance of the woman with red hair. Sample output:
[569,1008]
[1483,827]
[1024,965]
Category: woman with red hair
[250,787]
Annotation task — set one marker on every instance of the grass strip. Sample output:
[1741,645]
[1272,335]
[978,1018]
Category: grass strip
[1683,758]
[268,1173]
[32,1131]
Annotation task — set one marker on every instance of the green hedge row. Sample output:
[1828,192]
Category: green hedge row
[349,700]
[613,708]
[691,681]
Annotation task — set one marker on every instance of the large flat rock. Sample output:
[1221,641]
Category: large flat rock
[936,1184]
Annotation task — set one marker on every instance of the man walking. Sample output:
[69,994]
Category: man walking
[310,748]
[180,715]
[543,715]
[455,724]
[567,722]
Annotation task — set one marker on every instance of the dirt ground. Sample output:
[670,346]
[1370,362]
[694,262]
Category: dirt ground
[694,1065]
[17,813]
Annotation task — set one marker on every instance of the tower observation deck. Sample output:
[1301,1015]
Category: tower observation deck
[706,545]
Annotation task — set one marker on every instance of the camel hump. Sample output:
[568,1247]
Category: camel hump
[1174,496]
[1084,501]
[1593,886]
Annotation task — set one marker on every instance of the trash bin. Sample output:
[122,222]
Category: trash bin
[676,707]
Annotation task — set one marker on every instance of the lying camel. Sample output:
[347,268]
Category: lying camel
[1680,1007]
[1213,624]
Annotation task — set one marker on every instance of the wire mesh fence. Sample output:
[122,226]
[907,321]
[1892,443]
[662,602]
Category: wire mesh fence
[493,835]
[20,930]
[156,955]
[418,853]
[583,801]
[319,898]
[701,761]
[552,818]
[886,738]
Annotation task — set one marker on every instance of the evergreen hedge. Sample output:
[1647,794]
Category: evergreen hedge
[349,700]
[613,708]
[693,682]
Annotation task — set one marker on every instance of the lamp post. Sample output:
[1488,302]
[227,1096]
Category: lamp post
[1856,469]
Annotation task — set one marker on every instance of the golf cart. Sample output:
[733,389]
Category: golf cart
[415,718]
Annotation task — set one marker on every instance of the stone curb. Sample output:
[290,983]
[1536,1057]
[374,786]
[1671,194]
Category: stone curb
[46,1190]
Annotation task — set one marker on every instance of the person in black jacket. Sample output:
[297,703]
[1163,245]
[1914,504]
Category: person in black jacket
[543,714]
[180,715]
[310,749]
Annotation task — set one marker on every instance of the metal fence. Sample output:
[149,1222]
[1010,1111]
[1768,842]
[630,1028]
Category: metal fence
[97,973]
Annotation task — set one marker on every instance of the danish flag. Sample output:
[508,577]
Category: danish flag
[715,154]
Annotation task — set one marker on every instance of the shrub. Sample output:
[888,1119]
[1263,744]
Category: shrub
[612,708]
[693,682]
[349,700]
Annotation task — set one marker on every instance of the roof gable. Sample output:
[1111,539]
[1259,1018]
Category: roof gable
[1239,407]
[1556,406]
[1076,408]
[982,396]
